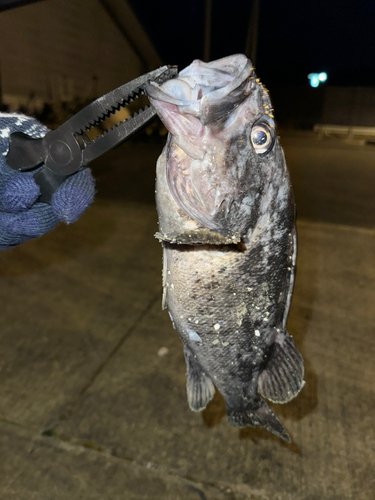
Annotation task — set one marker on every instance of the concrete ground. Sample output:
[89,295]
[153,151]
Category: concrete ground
[92,376]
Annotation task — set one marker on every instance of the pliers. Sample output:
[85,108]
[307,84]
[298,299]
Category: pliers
[66,150]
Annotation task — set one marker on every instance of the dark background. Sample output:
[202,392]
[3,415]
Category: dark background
[294,37]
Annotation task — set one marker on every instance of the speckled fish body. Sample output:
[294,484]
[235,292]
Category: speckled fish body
[227,226]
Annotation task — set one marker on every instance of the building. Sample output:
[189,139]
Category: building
[64,51]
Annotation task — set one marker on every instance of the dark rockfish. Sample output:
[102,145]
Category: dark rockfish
[227,226]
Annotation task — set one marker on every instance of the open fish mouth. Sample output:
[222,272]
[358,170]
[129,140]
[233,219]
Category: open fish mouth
[205,90]
[209,110]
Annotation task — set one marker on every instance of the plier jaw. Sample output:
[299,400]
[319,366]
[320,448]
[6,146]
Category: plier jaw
[68,149]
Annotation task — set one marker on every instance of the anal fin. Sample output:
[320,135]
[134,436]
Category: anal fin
[199,386]
[282,378]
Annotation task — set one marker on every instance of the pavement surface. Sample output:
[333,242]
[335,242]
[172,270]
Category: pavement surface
[92,375]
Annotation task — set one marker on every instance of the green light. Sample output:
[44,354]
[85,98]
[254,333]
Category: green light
[322,77]
[317,78]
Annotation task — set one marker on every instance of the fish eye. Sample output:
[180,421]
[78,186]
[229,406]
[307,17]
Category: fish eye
[262,137]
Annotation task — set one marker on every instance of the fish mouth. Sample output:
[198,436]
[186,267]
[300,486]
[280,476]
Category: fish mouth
[196,108]
[204,90]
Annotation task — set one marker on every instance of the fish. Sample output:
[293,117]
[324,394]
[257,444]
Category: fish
[227,227]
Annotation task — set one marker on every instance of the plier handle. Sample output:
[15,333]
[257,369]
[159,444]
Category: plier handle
[66,150]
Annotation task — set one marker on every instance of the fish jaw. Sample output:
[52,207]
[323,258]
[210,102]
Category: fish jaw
[205,90]
[202,94]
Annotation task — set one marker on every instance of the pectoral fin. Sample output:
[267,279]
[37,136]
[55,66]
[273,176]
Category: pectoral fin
[282,379]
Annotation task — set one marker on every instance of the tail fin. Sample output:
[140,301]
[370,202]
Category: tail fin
[263,417]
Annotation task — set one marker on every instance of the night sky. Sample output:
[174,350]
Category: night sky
[296,37]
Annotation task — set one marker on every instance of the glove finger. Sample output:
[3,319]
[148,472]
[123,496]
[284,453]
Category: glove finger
[19,193]
[8,240]
[34,222]
[14,122]
[74,196]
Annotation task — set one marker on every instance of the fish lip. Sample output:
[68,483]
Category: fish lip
[241,70]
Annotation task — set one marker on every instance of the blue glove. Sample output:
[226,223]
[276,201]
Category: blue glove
[21,216]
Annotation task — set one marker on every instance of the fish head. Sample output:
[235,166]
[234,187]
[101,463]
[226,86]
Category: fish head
[222,149]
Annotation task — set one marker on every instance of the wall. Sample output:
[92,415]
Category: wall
[297,106]
[353,106]
[304,106]
[55,48]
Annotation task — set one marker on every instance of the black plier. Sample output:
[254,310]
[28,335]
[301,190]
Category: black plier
[68,149]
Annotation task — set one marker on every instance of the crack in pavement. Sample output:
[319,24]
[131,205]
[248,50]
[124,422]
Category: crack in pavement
[71,445]
[69,407]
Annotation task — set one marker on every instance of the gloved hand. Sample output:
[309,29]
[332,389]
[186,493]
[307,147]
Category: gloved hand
[22,217]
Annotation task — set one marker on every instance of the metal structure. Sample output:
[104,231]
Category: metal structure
[68,149]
